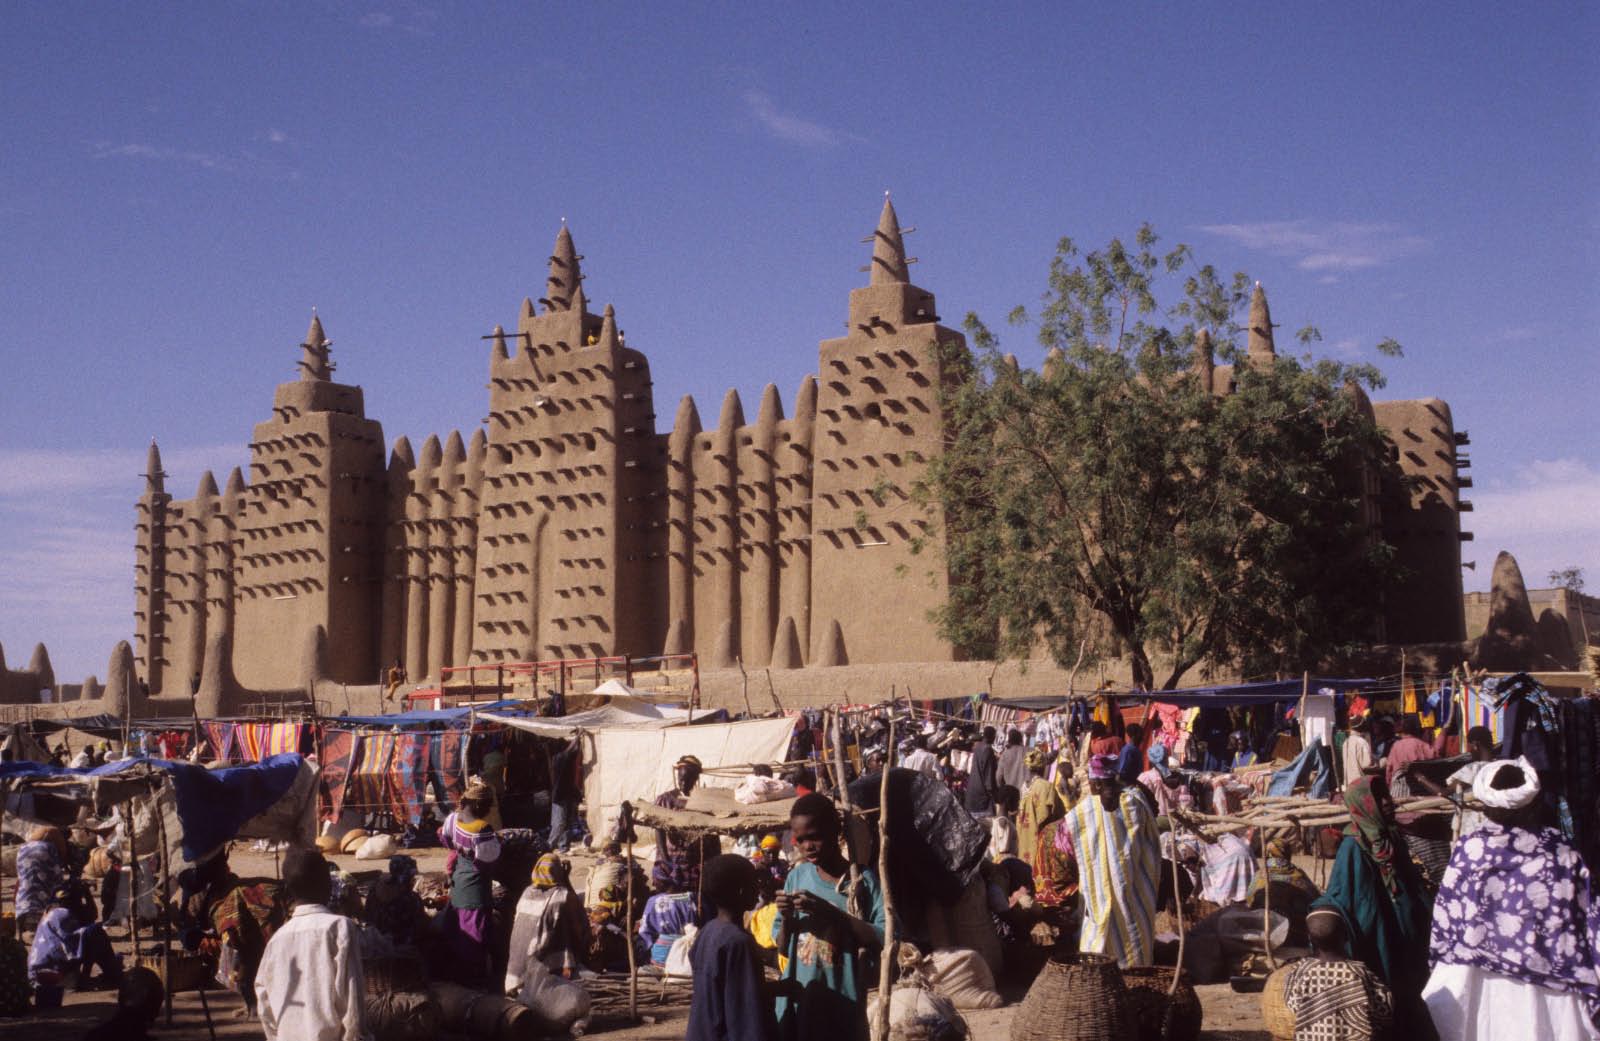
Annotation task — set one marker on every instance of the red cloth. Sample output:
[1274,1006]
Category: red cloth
[1111,745]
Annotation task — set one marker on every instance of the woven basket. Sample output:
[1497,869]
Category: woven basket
[1148,1004]
[1076,997]
[1275,1015]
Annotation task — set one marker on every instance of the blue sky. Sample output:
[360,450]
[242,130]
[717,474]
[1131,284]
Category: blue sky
[183,182]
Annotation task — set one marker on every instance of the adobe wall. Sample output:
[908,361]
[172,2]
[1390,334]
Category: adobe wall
[1423,522]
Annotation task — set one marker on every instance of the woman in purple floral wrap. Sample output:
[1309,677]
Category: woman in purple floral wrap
[1516,932]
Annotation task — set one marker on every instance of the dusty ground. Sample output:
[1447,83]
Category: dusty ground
[1229,1016]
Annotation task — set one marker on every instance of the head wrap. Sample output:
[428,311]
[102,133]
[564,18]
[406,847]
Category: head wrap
[1102,767]
[1036,759]
[1374,832]
[1158,759]
[402,868]
[549,871]
[1240,737]
[477,791]
[770,842]
[687,760]
[1506,798]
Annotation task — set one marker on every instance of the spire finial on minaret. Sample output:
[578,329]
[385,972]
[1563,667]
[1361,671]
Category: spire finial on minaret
[314,363]
[1260,346]
[154,476]
[562,284]
[499,347]
[888,249]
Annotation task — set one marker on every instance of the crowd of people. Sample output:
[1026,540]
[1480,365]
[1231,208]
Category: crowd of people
[1470,925]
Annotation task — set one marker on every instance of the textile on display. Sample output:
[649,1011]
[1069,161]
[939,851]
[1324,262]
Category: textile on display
[337,746]
[408,776]
[367,789]
[223,748]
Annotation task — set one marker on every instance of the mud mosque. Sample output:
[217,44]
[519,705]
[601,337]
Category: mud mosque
[570,526]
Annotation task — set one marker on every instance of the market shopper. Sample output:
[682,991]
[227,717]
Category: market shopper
[468,921]
[1515,944]
[1377,888]
[1112,836]
[41,872]
[728,1002]
[311,986]
[1041,804]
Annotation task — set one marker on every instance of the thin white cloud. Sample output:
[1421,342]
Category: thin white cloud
[1548,517]
[238,162]
[26,474]
[277,137]
[1326,247]
[788,127]
[416,19]
[139,150]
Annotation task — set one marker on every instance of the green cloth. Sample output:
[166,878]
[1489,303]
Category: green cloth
[1388,932]
[826,970]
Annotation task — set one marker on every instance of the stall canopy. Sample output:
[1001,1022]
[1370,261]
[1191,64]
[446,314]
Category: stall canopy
[634,763]
[273,799]
[424,719]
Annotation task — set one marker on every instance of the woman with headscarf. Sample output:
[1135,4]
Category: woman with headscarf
[1039,805]
[550,926]
[1516,931]
[41,871]
[611,919]
[469,920]
[393,907]
[1383,899]
[1292,888]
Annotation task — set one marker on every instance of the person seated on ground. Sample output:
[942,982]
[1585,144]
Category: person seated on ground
[1292,889]
[550,926]
[770,861]
[1223,867]
[311,986]
[393,907]
[1168,788]
[667,916]
[728,1002]
[1240,754]
[41,872]
[680,854]
[69,944]
[241,918]
[1008,884]
[1003,827]
[138,1003]
[1332,997]
[611,918]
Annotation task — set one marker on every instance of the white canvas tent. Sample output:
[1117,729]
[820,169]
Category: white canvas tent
[634,764]
[624,707]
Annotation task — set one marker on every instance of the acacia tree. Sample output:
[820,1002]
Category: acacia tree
[1114,492]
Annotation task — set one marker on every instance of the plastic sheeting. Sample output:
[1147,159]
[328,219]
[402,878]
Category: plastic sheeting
[634,763]
[935,846]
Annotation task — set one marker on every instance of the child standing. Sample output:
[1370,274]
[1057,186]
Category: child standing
[1333,998]
[728,1004]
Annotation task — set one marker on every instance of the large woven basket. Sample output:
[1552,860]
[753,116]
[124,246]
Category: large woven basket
[1148,1005]
[1076,997]
[1275,1014]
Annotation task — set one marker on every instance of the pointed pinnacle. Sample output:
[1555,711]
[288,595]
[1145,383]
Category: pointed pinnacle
[888,249]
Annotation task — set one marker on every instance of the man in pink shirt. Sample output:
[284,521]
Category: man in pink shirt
[1407,749]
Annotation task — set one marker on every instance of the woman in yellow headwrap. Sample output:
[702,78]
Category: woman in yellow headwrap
[550,925]
[1040,805]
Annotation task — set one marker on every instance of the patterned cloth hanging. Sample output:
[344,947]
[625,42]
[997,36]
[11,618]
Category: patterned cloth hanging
[337,746]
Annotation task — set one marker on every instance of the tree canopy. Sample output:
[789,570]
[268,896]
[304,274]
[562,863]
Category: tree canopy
[1155,489]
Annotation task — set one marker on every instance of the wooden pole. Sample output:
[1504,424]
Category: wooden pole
[1266,905]
[886,963]
[773,691]
[133,878]
[1177,903]
[744,688]
[627,927]
[843,787]
[164,861]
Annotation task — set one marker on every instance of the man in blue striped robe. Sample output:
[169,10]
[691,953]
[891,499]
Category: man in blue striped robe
[1113,835]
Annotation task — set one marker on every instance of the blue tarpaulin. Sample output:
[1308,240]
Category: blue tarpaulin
[1265,692]
[213,805]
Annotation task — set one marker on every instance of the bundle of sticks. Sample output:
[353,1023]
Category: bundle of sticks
[1270,812]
